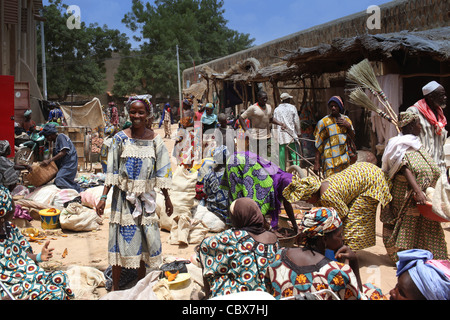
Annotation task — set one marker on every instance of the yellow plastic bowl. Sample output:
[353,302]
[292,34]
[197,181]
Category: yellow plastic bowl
[50,218]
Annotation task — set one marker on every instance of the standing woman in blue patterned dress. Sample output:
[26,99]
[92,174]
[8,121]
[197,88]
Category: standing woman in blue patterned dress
[138,163]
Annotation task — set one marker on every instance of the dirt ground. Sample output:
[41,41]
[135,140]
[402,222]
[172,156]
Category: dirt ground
[89,249]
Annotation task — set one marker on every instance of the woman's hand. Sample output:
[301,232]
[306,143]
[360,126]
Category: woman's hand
[46,162]
[46,253]
[420,198]
[100,208]
[346,254]
[169,206]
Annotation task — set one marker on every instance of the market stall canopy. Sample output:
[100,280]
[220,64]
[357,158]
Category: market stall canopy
[90,115]
[197,90]
[342,53]
[241,71]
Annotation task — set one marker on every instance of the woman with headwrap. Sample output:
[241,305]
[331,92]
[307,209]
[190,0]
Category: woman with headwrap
[297,271]
[412,170]
[166,119]
[64,155]
[209,118]
[251,176]
[184,142]
[20,272]
[355,194]
[28,124]
[332,134]
[235,260]
[420,277]
[138,163]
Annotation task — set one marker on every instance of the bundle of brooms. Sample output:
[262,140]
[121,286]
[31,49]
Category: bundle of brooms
[363,77]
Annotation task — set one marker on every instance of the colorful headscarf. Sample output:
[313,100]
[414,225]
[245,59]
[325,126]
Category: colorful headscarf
[27,113]
[431,278]
[246,215]
[145,99]
[339,102]
[301,189]
[406,118]
[5,201]
[319,221]
[110,130]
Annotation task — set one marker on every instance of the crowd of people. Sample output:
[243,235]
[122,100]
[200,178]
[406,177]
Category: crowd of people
[248,191]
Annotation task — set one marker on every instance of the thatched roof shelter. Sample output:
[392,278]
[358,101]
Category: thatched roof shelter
[342,53]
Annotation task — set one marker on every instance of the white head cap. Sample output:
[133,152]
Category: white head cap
[430,87]
[285,96]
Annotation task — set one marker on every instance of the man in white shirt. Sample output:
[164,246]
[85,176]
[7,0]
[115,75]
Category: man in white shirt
[433,121]
[287,114]
[261,117]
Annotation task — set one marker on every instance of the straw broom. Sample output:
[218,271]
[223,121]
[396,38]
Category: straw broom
[359,97]
[363,75]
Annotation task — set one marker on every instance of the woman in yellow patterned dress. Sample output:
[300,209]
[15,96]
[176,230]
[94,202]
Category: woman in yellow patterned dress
[411,169]
[355,194]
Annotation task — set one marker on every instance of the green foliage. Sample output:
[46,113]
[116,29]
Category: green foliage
[198,27]
[75,57]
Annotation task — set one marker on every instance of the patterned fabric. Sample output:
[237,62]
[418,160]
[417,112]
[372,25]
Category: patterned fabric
[355,194]
[135,169]
[5,201]
[403,226]
[432,142]
[331,142]
[21,273]
[55,114]
[286,279]
[250,176]
[234,262]
[184,151]
[217,199]
[319,221]
[301,189]
[287,113]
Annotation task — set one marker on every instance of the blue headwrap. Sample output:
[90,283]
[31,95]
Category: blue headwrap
[49,129]
[339,102]
[431,281]
[211,118]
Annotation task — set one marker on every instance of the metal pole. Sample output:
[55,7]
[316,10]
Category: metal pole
[179,83]
[44,65]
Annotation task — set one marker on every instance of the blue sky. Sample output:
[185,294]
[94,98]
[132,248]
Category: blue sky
[264,20]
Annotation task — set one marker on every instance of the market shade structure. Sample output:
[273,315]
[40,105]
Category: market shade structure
[342,53]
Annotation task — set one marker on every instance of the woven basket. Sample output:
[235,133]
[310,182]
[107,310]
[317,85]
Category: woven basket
[41,175]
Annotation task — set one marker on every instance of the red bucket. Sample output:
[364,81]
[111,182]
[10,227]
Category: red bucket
[427,211]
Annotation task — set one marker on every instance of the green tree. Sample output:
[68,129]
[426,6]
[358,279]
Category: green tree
[198,27]
[75,57]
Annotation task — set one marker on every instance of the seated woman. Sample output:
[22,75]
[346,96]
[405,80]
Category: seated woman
[305,269]
[251,176]
[20,271]
[420,277]
[235,260]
